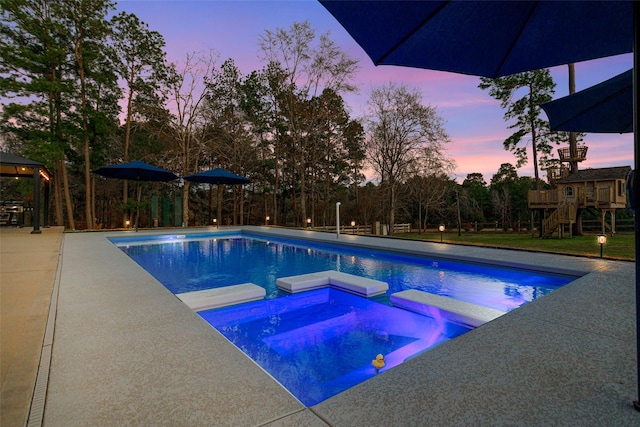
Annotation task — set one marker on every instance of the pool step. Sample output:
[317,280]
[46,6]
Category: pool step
[358,285]
[222,297]
[433,305]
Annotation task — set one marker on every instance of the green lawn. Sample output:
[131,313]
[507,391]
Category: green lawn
[621,246]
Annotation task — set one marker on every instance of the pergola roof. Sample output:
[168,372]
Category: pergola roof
[18,167]
[15,166]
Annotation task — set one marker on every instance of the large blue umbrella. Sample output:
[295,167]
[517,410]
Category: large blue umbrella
[604,108]
[498,38]
[486,38]
[218,176]
[136,171]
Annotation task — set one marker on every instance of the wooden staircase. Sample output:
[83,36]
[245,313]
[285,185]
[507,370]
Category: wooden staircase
[563,214]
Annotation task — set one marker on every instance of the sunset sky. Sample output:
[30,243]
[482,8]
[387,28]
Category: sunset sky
[474,121]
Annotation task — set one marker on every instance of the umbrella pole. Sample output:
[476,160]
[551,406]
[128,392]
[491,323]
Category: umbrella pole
[635,190]
[138,206]
[220,188]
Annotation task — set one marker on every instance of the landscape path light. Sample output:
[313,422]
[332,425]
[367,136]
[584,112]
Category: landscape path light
[441,229]
[602,240]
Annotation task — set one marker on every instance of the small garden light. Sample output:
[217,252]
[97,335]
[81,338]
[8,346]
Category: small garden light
[266,219]
[353,226]
[215,222]
[602,240]
[308,222]
[441,229]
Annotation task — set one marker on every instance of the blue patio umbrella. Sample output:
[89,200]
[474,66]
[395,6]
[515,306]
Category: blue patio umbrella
[604,108]
[219,177]
[136,171]
[486,38]
[498,38]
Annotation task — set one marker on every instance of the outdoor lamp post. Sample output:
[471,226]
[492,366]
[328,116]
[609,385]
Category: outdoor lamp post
[215,222]
[337,220]
[308,222]
[127,223]
[441,230]
[266,219]
[353,227]
[602,239]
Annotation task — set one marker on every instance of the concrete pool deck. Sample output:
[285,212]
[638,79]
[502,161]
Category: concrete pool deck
[125,351]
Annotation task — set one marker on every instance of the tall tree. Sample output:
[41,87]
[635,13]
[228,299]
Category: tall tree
[399,127]
[88,27]
[311,64]
[430,183]
[257,109]
[334,152]
[34,56]
[538,88]
[141,64]
[229,138]
[509,194]
[186,92]
[478,193]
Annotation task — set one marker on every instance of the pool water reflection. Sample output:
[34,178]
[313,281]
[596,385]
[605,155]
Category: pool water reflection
[216,261]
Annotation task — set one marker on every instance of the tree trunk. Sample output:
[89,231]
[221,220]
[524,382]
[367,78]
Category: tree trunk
[185,204]
[392,210]
[85,131]
[93,200]
[57,193]
[534,145]
[573,142]
[241,205]
[276,181]
[219,213]
[210,207]
[127,137]
[67,197]
[303,188]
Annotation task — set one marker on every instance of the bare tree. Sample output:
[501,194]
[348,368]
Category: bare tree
[399,128]
[186,93]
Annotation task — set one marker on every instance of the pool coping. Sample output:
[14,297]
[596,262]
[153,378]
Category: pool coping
[116,326]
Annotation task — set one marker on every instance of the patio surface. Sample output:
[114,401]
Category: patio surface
[120,349]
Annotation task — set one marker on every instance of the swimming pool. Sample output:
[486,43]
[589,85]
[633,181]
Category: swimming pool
[187,263]
[322,342]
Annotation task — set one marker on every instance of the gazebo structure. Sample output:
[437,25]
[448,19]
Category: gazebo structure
[18,167]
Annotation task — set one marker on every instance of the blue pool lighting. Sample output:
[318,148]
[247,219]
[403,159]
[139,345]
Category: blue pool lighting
[320,343]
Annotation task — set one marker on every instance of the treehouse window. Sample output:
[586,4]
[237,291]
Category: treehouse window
[569,191]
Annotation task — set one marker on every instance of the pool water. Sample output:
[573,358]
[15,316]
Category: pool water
[320,343]
[206,261]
